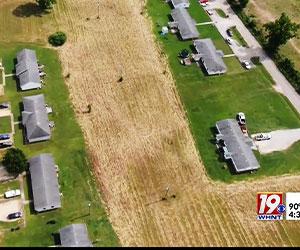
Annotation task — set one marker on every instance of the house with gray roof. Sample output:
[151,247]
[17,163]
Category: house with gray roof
[210,57]
[44,182]
[35,119]
[184,23]
[75,235]
[27,70]
[180,3]
[237,148]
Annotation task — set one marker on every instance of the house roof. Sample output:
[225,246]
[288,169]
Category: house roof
[35,117]
[27,69]
[186,25]
[75,235]
[211,57]
[237,145]
[176,2]
[44,182]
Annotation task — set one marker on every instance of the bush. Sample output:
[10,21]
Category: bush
[57,39]
[255,60]
[15,161]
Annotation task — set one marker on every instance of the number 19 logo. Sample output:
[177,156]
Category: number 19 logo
[270,206]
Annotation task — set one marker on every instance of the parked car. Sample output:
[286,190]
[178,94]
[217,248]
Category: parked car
[4,136]
[263,137]
[14,215]
[229,32]
[209,12]
[241,118]
[246,64]
[229,40]
[12,193]
[4,105]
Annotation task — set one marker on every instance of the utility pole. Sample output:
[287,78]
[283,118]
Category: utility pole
[89,209]
[167,191]
[98,17]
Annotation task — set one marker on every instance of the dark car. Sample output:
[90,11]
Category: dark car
[4,137]
[4,105]
[229,32]
[14,215]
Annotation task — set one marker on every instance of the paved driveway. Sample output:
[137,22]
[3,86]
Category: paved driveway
[9,206]
[222,24]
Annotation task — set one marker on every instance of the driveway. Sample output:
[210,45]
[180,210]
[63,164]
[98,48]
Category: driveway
[280,140]
[9,206]
[281,83]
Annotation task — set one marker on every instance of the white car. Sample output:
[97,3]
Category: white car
[246,64]
[263,137]
[209,12]
[12,193]
[229,40]
[241,118]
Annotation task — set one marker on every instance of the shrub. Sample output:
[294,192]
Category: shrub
[57,39]
[255,60]
[15,161]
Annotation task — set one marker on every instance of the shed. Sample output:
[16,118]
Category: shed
[75,235]
[44,183]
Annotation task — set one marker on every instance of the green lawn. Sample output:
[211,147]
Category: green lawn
[209,99]
[5,124]
[238,37]
[197,12]
[68,148]
[221,13]
[10,185]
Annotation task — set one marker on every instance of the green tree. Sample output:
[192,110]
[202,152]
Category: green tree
[279,32]
[46,4]
[58,38]
[238,4]
[14,161]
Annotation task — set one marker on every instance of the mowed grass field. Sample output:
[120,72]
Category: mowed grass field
[269,10]
[138,136]
[209,99]
[68,148]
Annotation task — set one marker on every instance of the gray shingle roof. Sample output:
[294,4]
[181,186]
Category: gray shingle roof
[177,2]
[35,118]
[27,70]
[44,183]
[237,145]
[75,235]
[210,57]
[186,24]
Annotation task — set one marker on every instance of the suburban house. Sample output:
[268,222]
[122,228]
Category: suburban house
[35,119]
[27,70]
[184,23]
[75,235]
[44,182]
[180,3]
[210,57]
[236,147]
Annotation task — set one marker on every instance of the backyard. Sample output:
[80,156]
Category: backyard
[209,99]
[5,124]
[76,181]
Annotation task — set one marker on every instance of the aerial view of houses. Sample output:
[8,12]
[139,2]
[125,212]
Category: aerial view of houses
[149,123]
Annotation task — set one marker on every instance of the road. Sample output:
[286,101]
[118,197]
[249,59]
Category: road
[282,85]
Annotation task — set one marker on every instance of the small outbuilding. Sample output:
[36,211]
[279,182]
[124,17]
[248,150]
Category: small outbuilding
[210,57]
[184,23]
[75,235]
[44,182]
[35,119]
[180,4]
[27,70]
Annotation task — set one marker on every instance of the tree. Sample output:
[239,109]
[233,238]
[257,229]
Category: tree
[279,32]
[58,38]
[15,161]
[238,5]
[243,3]
[46,4]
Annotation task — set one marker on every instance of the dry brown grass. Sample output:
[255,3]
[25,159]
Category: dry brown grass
[140,143]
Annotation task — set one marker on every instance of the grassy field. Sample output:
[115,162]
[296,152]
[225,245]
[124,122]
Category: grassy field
[76,182]
[269,10]
[9,186]
[196,11]
[238,37]
[221,13]
[209,99]
[5,124]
